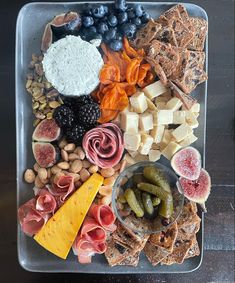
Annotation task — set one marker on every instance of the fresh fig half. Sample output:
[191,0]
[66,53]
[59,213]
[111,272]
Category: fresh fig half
[197,190]
[187,163]
[46,131]
[44,153]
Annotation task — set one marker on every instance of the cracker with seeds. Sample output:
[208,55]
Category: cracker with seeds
[201,29]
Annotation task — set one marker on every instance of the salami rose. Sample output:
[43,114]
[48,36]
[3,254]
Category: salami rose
[104,145]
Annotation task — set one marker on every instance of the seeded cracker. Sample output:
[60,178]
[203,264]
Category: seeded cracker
[155,254]
[201,29]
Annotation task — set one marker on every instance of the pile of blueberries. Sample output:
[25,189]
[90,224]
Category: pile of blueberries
[111,25]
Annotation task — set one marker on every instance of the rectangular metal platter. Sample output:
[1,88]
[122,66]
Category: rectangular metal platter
[32,257]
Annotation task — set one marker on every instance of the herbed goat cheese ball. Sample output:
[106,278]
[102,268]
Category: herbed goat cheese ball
[72,66]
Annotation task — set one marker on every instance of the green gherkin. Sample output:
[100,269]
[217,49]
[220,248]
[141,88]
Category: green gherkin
[156,177]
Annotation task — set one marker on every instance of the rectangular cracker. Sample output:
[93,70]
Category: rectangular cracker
[194,250]
[155,254]
[131,260]
[201,29]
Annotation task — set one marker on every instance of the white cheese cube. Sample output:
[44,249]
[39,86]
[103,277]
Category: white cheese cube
[166,138]
[163,117]
[191,120]
[146,144]
[138,102]
[179,117]
[129,122]
[132,141]
[165,97]
[182,132]
[188,140]
[195,107]
[170,149]
[154,155]
[174,104]
[157,133]
[154,90]
[146,121]
[151,105]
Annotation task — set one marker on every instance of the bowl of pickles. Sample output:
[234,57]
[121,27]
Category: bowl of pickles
[146,198]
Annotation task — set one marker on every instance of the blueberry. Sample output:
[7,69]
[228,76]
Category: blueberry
[145,18]
[106,10]
[97,36]
[129,30]
[136,21]
[89,33]
[112,20]
[139,9]
[115,44]
[87,21]
[122,18]
[99,11]
[110,34]
[131,14]
[92,29]
[118,36]
[120,5]
[102,27]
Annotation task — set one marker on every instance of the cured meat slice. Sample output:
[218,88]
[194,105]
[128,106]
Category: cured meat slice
[31,220]
[104,145]
[104,215]
[45,202]
[92,231]
[62,188]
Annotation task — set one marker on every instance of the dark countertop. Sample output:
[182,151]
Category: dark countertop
[218,263]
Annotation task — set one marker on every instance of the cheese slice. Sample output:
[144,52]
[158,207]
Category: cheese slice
[59,233]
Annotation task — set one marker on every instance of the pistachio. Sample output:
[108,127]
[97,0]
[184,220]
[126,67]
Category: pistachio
[49,115]
[40,115]
[54,104]
[52,94]
[35,105]
[42,99]
[42,106]
[28,84]
[36,122]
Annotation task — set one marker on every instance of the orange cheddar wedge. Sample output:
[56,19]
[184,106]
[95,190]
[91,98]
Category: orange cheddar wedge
[58,234]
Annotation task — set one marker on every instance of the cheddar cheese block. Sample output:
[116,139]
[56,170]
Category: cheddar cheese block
[58,234]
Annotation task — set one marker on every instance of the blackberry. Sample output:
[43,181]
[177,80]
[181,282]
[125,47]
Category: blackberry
[75,103]
[75,134]
[64,116]
[88,114]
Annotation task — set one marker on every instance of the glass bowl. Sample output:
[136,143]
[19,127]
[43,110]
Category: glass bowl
[148,225]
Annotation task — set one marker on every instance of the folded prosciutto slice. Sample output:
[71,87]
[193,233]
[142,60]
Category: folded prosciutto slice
[90,240]
[45,202]
[31,220]
[62,189]
[104,215]
[104,145]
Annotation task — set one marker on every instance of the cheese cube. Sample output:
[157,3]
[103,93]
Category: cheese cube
[179,117]
[157,133]
[174,104]
[188,140]
[170,149]
[166,138]
[130,122]
[138,102]
[131,141]
[146,144]
[163,117]
[146,121]
[182,132]
[154,155]
[195,107]
[191,119]
[165,97]
[154,90]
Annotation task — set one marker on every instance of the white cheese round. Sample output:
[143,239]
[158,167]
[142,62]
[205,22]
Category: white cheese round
[72,66]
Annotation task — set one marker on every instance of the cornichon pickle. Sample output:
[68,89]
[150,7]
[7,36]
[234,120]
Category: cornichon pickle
[166,209]
[138,195]
[147,202]
[155,201]
[138,178]
[133,203]
[156,177]
[155,190]
[121,199]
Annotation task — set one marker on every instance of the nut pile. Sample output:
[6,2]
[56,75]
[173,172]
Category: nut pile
[73,162]
[44,97]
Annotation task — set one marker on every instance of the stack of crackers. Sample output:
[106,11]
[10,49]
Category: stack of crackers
[167,247]
[174,45]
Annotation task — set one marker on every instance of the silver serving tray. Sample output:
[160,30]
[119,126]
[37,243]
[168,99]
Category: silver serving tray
[32,257]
